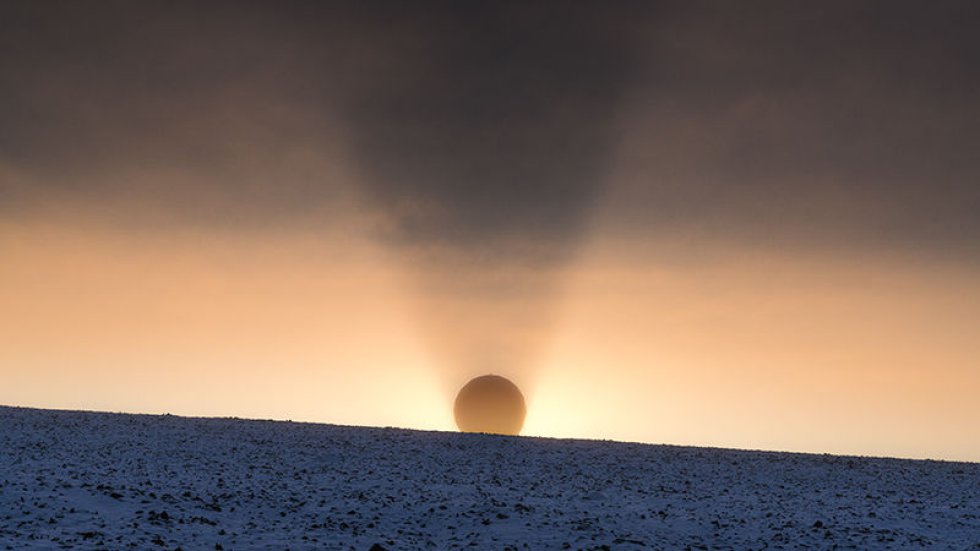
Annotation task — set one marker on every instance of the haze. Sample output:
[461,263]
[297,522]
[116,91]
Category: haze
[703,223]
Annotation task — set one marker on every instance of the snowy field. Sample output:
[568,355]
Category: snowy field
[110,481]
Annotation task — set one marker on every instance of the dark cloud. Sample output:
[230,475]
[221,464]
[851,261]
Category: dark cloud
[494,125]
[489,124]
[849,125]
[192,113]
[470,123]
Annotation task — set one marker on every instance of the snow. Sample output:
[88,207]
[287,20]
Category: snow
[115,481]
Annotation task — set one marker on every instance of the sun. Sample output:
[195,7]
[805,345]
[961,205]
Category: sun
[491,404]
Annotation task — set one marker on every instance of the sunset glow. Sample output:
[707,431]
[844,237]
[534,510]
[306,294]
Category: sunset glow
[667,223]
[757,349]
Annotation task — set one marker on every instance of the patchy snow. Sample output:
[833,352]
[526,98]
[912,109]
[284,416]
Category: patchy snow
[95,480]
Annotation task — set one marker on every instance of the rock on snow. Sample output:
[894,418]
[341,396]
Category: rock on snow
[113,481]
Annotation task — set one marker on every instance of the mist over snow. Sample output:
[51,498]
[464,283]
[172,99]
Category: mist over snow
[114,481]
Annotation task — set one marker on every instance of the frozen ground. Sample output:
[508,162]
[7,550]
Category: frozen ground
[92,480]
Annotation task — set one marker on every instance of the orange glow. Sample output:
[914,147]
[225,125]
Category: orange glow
[279,327]
[752,349]
[756,350]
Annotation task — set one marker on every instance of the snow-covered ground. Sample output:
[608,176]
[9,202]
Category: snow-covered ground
[93,480]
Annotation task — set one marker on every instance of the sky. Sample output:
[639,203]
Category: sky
[747,225]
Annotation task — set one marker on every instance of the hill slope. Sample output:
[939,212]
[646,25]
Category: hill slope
[96,480]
